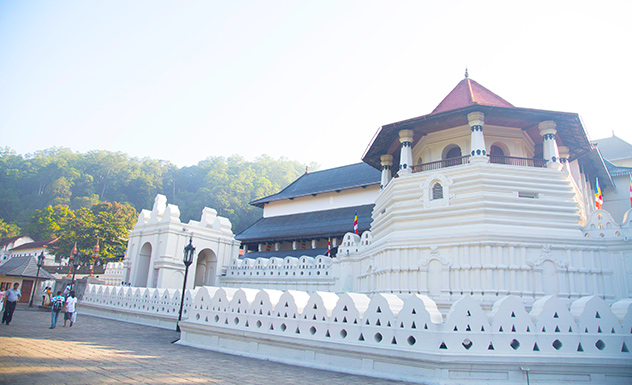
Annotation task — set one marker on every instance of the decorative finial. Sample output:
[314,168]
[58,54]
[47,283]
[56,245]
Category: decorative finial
[306,169]
[466,74]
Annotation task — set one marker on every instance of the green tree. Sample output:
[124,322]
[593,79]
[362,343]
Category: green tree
[107,222]
[8,230]
[47,222]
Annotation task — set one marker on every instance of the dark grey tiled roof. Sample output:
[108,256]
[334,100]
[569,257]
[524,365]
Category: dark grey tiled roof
[335,179]
[288,253]
[617,170]
[23,267]
[614,148]
[310,225]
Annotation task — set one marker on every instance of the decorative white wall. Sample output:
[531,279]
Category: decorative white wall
[146,306]
[389,336]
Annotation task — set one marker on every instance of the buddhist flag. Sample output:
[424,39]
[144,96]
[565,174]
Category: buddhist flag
[329,247]
[598,196]
[630,190]
[355,223]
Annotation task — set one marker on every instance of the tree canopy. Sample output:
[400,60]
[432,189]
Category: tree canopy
[45,192]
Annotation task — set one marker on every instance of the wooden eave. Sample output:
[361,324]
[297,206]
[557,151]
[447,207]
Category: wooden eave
[571,132]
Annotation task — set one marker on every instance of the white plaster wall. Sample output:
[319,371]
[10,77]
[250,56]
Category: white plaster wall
[327,201]
[484,240]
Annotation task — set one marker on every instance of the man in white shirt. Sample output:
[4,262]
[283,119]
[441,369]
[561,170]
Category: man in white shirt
[11,297]
[71,303]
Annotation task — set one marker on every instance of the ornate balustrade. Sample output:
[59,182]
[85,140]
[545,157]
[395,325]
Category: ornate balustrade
[499,159]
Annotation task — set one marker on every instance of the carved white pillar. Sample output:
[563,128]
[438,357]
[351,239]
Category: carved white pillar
[294,245]
[260,248]
[313,243]
[406,155]
[387,164]
[564,155]
[549,145]
[277,246]
[478,152]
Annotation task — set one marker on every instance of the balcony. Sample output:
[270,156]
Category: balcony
[499,159]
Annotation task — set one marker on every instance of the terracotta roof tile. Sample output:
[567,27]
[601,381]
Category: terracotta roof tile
[468,93]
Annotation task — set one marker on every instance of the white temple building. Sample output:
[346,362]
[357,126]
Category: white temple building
[477,198]
[479,257]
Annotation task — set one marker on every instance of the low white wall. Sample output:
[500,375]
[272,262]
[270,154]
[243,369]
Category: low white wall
[146,306]
[393,337]
[408,339]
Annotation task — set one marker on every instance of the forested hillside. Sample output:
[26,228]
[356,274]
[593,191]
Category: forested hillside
[60,177]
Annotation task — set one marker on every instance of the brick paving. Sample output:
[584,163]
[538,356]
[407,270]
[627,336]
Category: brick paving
[101,351]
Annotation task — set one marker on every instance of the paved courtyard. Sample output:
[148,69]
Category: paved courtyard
[101,351]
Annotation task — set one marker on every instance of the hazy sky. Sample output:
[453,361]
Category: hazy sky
[307,80]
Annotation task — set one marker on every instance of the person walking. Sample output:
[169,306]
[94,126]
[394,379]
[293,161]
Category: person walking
[71,303]
[46,295]
[57,305]
[11,298]
[2,292]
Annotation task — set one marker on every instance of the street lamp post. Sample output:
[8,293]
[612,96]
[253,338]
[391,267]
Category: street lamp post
[73,252]
[40,263]
[189,250]
[75,265]
[95,255]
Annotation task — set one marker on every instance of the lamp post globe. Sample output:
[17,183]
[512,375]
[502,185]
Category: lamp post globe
[40,263]
[189,252]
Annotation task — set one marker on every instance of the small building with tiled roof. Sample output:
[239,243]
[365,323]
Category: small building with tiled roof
[9,243]
[34,248]
[24,270]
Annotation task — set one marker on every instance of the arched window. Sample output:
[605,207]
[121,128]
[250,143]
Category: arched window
[437,191]
[496,154]
[454,152]
[451,156]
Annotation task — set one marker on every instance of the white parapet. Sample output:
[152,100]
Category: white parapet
[408,339]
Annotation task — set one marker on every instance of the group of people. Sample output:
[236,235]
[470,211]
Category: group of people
[8,301]
[126,284]
[66,304]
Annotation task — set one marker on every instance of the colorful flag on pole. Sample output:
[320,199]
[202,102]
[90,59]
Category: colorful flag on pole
[630,190]
[598,196]
[329,247]
[355,223]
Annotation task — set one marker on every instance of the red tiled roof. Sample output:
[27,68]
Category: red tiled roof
[468,93]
